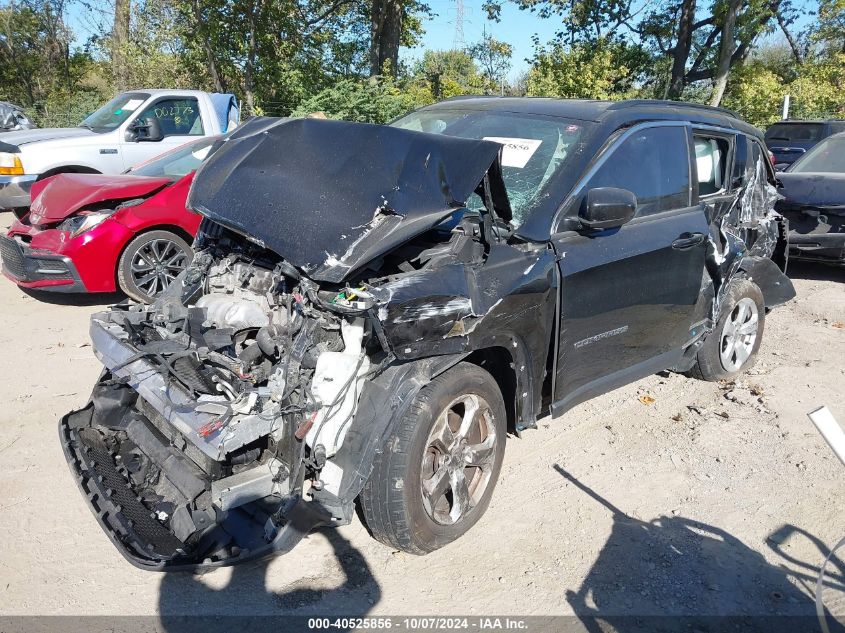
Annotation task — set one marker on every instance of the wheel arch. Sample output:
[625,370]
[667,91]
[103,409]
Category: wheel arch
[499,363]
[171,228]
[67,169]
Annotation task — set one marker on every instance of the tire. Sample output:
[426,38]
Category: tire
[137,272]
[392,499]
[727,351]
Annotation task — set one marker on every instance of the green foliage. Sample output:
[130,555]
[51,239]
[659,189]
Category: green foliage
[818,90]
[494,58]
[447,74]
[829,30]
[374,100]
[35,58]
[604,70]
[756,93]
[756,90]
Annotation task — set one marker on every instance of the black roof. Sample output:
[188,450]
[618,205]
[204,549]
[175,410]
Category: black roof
[617,113]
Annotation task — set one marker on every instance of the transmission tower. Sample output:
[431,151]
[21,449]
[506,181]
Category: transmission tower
[459,43]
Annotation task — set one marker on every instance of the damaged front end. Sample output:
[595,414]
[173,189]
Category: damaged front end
[243,408]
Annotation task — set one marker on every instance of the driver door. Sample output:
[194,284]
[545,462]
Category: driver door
[628,294]
[180,121]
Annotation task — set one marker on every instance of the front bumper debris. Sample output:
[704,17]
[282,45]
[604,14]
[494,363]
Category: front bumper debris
[136,532]
[43,270]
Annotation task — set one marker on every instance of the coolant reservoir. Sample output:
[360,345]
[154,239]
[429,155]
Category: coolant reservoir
[337,383]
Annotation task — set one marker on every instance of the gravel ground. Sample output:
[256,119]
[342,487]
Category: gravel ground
[667,496]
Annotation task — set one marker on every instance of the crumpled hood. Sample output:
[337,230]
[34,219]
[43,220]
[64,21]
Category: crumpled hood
[22,137]
[56,198]
[822,190]
[331,196]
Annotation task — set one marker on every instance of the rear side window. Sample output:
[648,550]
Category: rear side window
[653,163]
[711,159]
[795,132]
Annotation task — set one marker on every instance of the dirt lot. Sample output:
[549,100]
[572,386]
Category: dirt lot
[712,499]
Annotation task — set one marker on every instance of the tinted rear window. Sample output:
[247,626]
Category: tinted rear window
[794,132]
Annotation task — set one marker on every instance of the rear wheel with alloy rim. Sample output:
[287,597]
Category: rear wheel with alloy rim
[434,479]
[150,263]
[732,345]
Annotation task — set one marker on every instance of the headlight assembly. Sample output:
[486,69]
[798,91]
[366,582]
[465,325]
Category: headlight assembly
[79,224]
[10,164]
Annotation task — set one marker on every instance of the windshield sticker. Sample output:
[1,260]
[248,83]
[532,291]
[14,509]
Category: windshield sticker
[517,151]
[132,104]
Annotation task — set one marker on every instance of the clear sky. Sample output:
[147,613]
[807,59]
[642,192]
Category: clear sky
[516,28]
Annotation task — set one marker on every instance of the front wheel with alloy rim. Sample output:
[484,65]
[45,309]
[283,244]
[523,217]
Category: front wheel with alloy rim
[732,345]
[436,474]
[150,263]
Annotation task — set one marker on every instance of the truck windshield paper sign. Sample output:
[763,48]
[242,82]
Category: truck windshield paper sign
[517,152]
[132,104]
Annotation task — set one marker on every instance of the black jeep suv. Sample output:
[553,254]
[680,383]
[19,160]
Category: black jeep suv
[371,309]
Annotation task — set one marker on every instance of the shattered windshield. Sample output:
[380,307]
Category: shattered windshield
[115,111]
[826,157]
[176,163]
[535,147]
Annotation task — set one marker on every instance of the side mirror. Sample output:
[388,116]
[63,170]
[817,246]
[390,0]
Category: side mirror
[148,130]
[781,166]
[607,208]
[153,128]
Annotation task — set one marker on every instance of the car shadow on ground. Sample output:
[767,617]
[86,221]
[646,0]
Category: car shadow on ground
[815,272]
[75,298]
[677,574]
[188,605]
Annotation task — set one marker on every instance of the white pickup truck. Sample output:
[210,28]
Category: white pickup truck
[129,129]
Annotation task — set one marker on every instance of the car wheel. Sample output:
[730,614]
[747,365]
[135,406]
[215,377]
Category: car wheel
[732,345]
[435,475]
[150,263]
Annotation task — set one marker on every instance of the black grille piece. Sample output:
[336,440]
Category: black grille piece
[113,499]
[16,263]
[56,265]
[13,258]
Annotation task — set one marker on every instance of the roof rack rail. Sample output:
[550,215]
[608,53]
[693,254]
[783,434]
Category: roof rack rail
[633,103]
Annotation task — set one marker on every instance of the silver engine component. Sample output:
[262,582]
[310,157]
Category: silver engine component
[239,296]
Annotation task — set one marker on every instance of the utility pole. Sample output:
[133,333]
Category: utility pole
[459,42]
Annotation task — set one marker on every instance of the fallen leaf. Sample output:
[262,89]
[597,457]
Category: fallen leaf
[646,399]
[839,325]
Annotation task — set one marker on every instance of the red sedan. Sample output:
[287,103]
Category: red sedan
[98,233]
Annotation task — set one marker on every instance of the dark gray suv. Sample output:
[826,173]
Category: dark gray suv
[371,310]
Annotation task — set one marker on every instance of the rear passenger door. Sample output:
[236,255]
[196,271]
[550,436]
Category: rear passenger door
[628,294]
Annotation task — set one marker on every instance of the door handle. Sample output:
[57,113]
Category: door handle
[687,240]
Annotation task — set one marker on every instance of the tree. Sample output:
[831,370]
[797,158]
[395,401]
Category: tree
[582,21]
[373,100]
[393,23]
[35,57]
[120,39]
[604,70]
[494,58]
[830,28]
[448,73]
[727,47]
